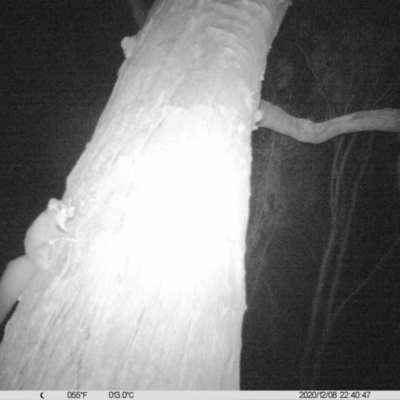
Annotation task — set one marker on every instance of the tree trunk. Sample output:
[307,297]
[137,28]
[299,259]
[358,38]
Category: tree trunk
[152,294]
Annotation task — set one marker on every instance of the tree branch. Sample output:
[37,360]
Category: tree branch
[305,130]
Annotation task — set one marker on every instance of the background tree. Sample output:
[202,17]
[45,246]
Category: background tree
[338,70]
[359,88]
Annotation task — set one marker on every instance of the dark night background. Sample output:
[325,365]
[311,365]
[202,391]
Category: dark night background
[59,63]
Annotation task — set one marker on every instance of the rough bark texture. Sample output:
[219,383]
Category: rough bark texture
[152,295]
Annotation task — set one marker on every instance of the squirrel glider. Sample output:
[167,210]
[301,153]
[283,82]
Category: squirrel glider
[47,229]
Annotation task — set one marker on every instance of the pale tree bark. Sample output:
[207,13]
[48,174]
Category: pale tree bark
[151,295]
